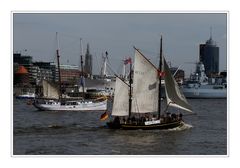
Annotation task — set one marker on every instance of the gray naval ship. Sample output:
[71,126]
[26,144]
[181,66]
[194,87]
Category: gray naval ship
[200,86]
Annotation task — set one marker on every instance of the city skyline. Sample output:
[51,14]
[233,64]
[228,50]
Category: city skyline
[117,33]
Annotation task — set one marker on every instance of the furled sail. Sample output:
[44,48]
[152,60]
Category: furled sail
[121,101]
[145,85]
[173,94]
[50,90]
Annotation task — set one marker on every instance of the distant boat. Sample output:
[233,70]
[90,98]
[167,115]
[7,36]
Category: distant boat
[27,95]
[54,100]
[135,105]
[199,87]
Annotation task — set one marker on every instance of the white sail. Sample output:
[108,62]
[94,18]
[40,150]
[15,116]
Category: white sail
[121,99]
[49,90]
[145,85]
[173,94]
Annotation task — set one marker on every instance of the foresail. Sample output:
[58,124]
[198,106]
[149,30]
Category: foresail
[173,94]
[121,99]
[49,90]
[145,85]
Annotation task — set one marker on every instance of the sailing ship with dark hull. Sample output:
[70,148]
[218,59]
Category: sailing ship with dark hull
[137,104]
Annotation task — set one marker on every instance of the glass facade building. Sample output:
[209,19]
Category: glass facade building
[209,56]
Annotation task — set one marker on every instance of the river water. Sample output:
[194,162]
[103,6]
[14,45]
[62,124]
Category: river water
[82,133]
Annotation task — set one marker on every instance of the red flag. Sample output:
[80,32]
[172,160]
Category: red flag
[104,116]
[162,73]
[127,61]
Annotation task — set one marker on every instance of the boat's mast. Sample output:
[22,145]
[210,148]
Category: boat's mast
[160,78]
[59,73]
[124,69]
[130,91]
[82,75]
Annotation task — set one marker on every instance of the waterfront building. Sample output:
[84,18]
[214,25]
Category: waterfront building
[209,56]
[26,61]
[21,77]
[44,70]
[70,74]
[21,60]
[37,71]
[21,65]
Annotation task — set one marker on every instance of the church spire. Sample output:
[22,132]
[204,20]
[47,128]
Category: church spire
[88,61]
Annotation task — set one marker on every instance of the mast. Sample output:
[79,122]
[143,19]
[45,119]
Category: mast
[124,69]
[59,73]
[130,91]
[211,32]
[160,78]
[104,65]
[81,56]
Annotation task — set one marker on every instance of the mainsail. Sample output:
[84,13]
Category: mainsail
[173,94]
[145,85]
[120,102]
[49,90]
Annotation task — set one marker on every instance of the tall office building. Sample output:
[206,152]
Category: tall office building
[209,56]
[88,62]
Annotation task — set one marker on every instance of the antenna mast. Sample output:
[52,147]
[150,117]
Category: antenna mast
[211,32]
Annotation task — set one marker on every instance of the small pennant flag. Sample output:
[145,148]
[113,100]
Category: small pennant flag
[104,116]
[127,61]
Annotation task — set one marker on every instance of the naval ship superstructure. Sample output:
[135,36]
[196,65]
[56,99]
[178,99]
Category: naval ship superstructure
[200,86]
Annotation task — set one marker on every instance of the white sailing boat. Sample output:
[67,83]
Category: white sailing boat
[133,104]
[54,100]
[70,105]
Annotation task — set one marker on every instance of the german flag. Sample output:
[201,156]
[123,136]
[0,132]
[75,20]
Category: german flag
[104,116]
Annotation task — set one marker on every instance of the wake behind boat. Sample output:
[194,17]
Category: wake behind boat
[135,107]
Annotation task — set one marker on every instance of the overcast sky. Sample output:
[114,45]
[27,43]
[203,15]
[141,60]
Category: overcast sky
[117,33]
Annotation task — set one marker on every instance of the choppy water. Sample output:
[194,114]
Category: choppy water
[82,133]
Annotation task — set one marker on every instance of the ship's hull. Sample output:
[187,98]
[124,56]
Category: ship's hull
[83,106]
[204,93]
[159,126]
